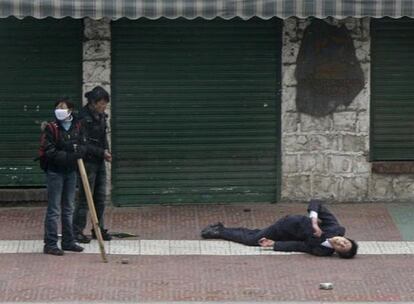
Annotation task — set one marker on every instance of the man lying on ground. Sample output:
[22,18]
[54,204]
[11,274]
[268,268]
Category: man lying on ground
[318,234]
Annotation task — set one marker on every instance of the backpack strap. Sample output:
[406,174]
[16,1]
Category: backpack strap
[55,129]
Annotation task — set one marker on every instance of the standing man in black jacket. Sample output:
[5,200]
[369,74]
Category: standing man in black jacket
[318,234]
[93,119]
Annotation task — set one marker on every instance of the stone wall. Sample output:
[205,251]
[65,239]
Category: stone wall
[97,65]
[328,157]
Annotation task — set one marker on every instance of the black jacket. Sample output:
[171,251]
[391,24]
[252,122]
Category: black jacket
[295,232]
[94,125]
[59,146]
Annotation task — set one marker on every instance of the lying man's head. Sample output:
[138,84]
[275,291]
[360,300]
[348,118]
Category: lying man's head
[344,247]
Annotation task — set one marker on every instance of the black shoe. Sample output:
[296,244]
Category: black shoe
[212,231]
[106,236]
[73,247]
[52,250]
[217,225]
[81,238]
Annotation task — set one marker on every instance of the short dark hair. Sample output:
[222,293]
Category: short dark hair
[96,94]
[66,101]
[351,252]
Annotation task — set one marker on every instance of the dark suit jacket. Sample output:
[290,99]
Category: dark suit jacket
[295,232]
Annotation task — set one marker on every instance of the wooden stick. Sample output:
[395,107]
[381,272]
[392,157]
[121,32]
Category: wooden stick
[92,210]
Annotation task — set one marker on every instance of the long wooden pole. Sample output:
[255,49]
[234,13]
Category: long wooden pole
[92,210]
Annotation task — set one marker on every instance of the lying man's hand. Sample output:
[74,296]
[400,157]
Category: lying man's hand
[264,242]
[316,230]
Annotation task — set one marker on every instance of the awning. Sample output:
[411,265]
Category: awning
[207,9]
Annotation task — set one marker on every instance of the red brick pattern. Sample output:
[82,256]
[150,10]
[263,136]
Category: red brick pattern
[74,277]
[365,222]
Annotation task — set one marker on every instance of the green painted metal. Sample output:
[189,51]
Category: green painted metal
[40,60]
[392,89]
[196,111]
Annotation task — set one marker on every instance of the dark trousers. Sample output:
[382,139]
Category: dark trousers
[61,188]
[288,228]
[97,180]
[249,237]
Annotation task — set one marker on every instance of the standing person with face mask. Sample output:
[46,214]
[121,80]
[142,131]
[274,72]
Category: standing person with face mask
[63,143]
[94,124]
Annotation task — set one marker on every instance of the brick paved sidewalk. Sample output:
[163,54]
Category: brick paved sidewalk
[35,277]
[74,277]
[366,222]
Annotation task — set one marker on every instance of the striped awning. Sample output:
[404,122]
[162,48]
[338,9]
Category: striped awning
[207,9]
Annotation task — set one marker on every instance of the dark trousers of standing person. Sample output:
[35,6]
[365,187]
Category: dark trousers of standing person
[97,181]
[61,189]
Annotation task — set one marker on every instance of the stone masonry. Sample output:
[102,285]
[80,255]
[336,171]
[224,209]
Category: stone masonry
[328,157]
[97,66]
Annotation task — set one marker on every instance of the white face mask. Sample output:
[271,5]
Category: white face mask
[62,114]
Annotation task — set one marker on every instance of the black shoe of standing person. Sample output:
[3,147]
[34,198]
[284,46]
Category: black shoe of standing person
[106,236]
[73,247]
[52,250]
[81,238]
[212,231]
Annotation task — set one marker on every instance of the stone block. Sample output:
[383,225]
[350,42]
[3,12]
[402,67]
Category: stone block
[355,143]
[288,77]
[289,52]
[345,121]
[339,163]
[322,142]
[310,123]
[290,122]
[361,101]
[290,24]
[294,143]
[366,69]
[312,162]
[326,187]
[97,29]
[361,165]
[302,24]
[97,71]
[361,44]
[351,23]
[381,187]
[404,187]
[354,189]
[363,122]
[296,187]
[362,55]
[288,99]
[290,163]
[365,28]
[96,50]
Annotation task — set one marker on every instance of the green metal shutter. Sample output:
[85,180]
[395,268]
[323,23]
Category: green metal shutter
[39,61]
[196,111]
[392,89]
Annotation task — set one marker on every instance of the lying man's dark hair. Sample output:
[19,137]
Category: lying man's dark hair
[351,253]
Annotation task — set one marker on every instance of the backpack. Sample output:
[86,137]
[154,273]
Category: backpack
[43,161]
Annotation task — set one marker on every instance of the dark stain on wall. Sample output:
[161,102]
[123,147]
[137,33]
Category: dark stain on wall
[328,72]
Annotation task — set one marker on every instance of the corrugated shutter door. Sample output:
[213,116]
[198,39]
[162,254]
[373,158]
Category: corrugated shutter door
[392,89]
[40,60]
[196,111]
